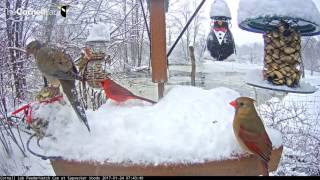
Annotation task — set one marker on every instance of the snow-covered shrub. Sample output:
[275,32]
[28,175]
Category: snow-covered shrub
[297,117]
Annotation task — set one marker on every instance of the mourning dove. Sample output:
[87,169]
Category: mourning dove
[57,65]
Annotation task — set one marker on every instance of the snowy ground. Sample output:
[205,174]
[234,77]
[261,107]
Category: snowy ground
[297,116]
[213,75]
[20,165]
[209,75]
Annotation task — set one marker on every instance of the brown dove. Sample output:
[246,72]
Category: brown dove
[57,65]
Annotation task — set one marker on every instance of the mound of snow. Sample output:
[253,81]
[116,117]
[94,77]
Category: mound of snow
[306,9]
[220,8]
[188,125]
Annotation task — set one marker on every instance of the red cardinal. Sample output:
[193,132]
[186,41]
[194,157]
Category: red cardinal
[250,132]
[118,93]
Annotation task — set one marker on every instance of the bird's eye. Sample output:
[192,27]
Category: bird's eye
[241,104]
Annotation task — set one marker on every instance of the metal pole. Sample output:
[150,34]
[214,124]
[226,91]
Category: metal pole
[185,28]
[145,19]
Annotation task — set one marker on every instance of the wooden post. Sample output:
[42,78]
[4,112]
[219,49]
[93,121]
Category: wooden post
[158,44]
[193,69]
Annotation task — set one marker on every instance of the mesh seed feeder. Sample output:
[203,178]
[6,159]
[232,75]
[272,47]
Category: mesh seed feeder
[96,55]
[282,24]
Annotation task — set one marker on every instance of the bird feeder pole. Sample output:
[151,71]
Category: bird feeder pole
[158,44]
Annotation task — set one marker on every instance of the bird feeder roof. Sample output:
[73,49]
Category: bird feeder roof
[263,15]
[219,8]
[99,33]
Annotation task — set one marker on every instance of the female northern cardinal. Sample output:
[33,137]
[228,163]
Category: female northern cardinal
[118,93]
[250,132]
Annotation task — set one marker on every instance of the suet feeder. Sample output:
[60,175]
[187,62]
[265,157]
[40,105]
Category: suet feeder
[95,55]
[220,41]
[282,31]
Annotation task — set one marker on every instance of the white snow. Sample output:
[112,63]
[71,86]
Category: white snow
[255,78]
[305,9]
[188,125]
[297,117]
[220,8]
[18,165]
[99,32]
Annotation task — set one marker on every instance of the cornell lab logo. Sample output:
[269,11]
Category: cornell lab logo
[44,12]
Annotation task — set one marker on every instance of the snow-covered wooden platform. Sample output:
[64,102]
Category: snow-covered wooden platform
[188,132]
[244,166]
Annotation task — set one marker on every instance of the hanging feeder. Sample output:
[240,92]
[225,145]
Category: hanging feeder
[220,41]
[95,56]
[282,29]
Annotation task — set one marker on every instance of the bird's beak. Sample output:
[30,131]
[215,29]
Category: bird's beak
[234,104]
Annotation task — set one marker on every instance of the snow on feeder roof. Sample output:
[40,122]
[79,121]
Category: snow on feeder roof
[219,8]
[261,15]
[99,33]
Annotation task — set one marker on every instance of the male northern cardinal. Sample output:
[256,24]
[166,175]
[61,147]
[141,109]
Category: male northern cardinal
[250,132]
[57,65]
[118,93]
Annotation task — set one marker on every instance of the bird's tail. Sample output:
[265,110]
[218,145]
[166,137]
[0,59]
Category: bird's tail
[144,99]
[265,168]
[69,89]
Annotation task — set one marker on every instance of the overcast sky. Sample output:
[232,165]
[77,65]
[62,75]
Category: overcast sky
[240,36]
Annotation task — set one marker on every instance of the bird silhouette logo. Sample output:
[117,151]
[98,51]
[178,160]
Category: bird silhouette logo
[63,9]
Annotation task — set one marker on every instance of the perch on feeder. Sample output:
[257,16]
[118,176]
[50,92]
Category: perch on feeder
[94,61]
[220,41]
[282,24]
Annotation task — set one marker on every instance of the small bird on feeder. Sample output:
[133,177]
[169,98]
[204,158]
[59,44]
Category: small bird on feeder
[250,132]
[118,93]
[57,65]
